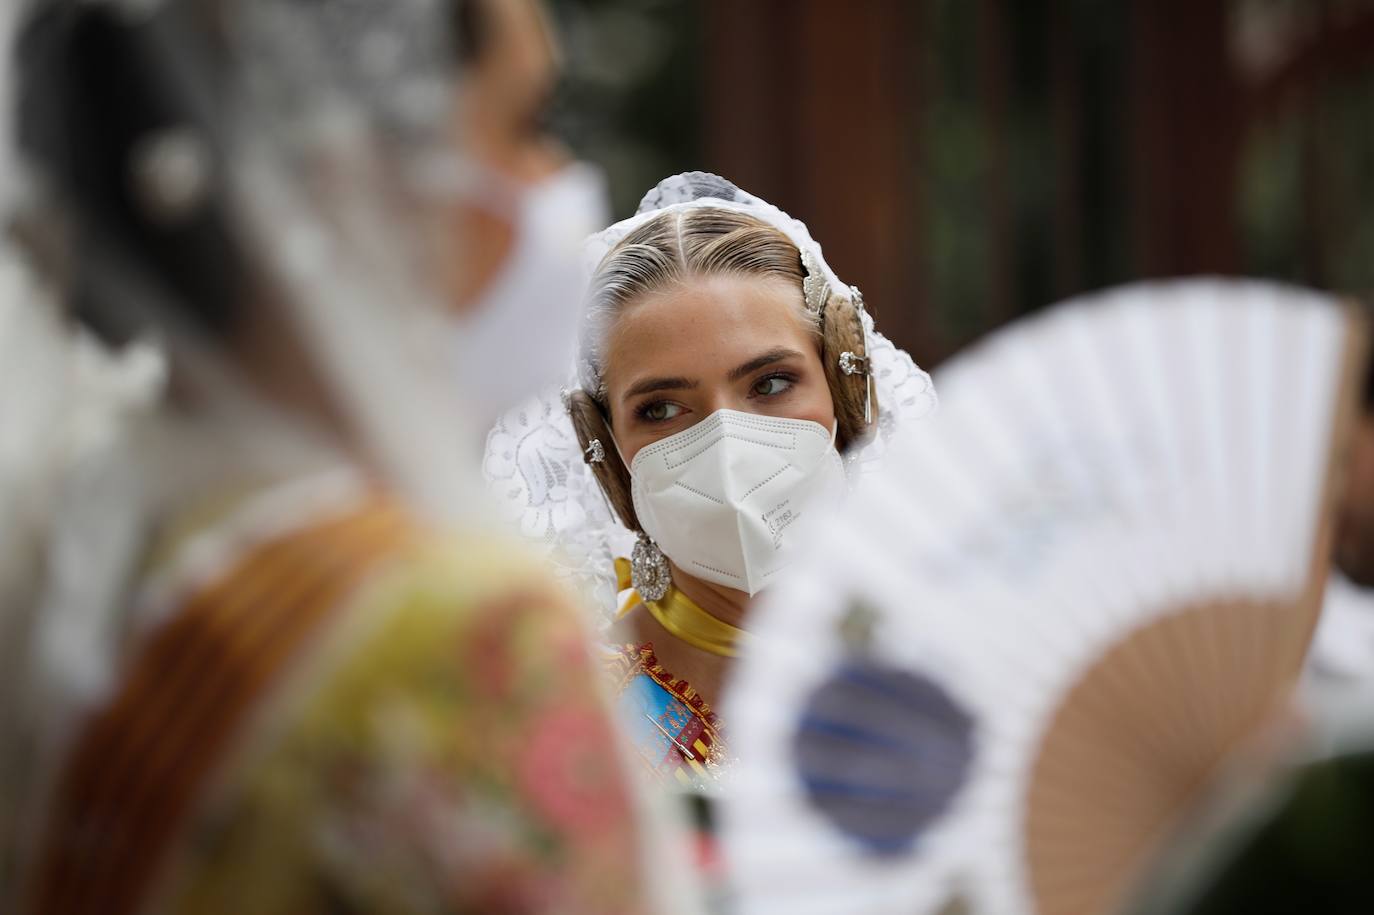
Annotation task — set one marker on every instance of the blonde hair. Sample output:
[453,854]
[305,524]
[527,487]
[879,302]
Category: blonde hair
[673,248]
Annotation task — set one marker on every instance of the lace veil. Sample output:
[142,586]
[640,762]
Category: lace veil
[535,468]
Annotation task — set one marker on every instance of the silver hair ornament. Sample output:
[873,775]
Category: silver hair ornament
[853,364]
[815,287]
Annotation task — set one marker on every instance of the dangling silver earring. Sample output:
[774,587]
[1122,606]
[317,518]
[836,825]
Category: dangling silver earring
[649,572]
[595,453]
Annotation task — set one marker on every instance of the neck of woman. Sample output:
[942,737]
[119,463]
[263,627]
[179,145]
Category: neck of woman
[726,604]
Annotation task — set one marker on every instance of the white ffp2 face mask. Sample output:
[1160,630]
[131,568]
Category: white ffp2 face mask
[521,334]
[725,498]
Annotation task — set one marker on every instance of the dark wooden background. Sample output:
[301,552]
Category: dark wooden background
[967,161]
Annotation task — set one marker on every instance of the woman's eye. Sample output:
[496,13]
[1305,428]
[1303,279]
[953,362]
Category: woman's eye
[660,411]
[772,385]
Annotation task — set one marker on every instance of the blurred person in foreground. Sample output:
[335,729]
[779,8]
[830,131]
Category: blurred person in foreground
[253,673]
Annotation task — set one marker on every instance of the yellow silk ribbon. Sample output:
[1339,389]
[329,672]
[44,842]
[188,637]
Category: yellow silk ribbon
[680,615]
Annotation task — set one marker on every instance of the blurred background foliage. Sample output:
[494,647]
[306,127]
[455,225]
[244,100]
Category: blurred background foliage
[967,161]
[632,90]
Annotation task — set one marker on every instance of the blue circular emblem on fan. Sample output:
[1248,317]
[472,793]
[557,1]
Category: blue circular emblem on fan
[881,752]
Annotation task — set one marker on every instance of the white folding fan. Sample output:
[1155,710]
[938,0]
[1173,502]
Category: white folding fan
[1027,643]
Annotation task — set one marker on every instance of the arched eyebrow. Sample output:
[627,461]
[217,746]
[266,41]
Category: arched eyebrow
[776,354]
[650,385]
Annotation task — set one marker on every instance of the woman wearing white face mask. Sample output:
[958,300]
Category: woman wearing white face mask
[728,385]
